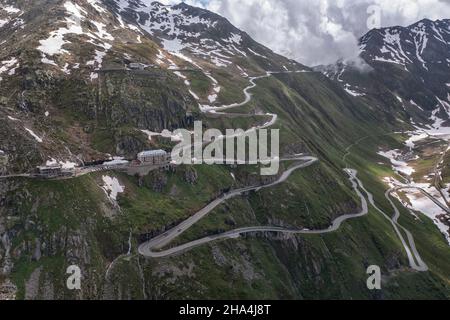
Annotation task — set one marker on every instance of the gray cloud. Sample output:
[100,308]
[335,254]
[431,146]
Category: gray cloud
[318,31]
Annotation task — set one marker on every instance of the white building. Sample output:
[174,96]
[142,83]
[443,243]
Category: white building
[154,157]
[137,66]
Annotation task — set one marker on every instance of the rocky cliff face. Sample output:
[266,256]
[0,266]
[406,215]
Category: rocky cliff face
[151,100]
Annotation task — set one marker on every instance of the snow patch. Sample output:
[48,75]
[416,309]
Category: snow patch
[419,202]
[11,9]
[96,5]
[35,136]
[174,45]
[63,164]
[164,134]
[54,44]
[262,56]
[410,143]
[194,95]
[399,166]
[112,187]
[9,66]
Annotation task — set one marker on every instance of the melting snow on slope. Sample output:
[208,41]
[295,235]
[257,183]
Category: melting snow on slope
[10,9]
[353,92]
[174,27]
[53,45]
[393,51]
[196,97]
[173,45]
[34,135]
[420,40]
[410,143]
[421,203]
[417,201]
[213,97]
[436,130]
[102,33]
[245,74]
[262,56]
[9,65]
[112,187]
[164,134]
[96,5]
[399,166]
[63,164]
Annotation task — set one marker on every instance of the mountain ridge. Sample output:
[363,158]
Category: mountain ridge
[413,63]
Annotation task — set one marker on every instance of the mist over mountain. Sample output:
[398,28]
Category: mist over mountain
[320,32]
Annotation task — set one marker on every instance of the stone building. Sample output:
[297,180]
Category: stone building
[54,171]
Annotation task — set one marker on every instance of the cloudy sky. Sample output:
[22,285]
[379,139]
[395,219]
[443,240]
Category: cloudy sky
[319,31]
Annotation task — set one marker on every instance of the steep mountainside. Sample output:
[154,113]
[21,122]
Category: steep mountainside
[85,80]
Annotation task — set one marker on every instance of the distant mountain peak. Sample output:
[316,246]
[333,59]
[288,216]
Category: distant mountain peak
[424,44]
[412,63]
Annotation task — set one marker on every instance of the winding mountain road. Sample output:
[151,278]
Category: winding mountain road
[248,96]
[153,248]
[158,242]
[426,194]
[421,265]
[414,258]
[148,249]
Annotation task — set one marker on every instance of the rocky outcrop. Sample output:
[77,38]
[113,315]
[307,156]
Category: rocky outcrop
[190,175]
[32,284]
[146,100]
[7,290]
[128,145]
[156,181]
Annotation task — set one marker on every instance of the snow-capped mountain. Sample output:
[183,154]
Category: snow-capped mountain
[405,70]
[183,29]
[83,36]
[423,45]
